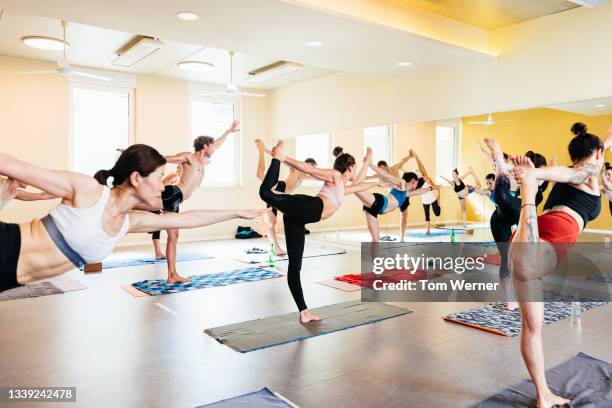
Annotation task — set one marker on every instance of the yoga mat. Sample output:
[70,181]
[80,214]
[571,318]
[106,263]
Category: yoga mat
[123,263]
[366,280]
[42,289]
[263,258]
[433,234]
[462,228]
[495,319]
[583,379]
[263,398]
[336,284]
[211,280]
[273,331]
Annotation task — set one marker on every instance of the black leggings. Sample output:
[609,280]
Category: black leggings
[436,209]
[298,210]
[506,215]
[610,203]
[10,247]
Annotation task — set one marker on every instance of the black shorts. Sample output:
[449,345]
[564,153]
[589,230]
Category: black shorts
[405,204]
[379,202]
[281,187]
[10,246]
[172,197]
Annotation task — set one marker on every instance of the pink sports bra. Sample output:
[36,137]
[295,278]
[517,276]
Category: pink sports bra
[335,193]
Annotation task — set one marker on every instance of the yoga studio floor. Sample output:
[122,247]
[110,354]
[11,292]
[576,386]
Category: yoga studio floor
[123,351]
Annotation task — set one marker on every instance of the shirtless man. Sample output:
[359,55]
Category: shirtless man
[191,174]
[293,181]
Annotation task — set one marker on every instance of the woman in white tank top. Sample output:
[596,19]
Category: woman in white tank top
[92,217]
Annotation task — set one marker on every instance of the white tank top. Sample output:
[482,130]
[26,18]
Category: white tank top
[82,229]
[430,196]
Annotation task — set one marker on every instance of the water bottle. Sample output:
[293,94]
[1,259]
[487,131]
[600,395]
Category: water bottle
[272,257]
[452,237]
[576,309]
[607,243]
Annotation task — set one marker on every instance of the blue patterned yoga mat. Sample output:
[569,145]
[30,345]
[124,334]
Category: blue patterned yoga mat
[122,263]
[156,287]
[496,319]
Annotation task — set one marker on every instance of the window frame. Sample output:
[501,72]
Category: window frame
[390,159]
[238,145]
[72,85]
[456,125]
[330,139]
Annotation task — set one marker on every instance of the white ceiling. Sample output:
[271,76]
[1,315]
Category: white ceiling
[95,47]
[268,29]
[587,107]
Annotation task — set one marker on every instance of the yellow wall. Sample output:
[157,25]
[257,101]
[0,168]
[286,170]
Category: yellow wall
[545,131]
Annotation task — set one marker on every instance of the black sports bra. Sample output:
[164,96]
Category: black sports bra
[588,206]
[459,187]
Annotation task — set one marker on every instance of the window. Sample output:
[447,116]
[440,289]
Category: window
[317,146]
[446,150]
[379,139]
[100,123]
[212,118]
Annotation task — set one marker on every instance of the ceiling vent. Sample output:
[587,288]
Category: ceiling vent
[274,70]
[136,50]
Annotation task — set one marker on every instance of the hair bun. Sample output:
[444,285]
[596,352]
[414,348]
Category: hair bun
[338,151]
[579,128]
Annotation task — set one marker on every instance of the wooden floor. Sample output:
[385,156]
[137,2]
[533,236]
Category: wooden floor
[123,351]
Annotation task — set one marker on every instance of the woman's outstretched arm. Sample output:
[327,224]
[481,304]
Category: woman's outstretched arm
[148,222]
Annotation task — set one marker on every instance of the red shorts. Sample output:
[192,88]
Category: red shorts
[559,229]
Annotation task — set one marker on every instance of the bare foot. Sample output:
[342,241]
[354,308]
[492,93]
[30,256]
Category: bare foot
[551,400]
[176,278]
[160,256]
[368,158]
[260,144]
[281,252]
[510,306]
[277,151]
[428,232]
[307,316]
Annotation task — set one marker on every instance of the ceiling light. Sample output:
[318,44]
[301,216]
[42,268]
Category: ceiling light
[600,105]
[274,70]
[137,51]
[187,15]
[196,66]
[403,64]
[44,43]
[313,43]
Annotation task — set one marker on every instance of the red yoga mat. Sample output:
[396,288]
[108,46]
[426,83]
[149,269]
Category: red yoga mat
[366,280]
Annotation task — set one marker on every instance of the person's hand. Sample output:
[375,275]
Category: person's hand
[251,214]
[234,128]
[383,184]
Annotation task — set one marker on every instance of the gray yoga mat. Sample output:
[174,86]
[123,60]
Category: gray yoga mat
[30,291]
[585,380]
[276,330]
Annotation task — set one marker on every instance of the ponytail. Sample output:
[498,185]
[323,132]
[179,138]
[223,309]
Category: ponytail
[138,158]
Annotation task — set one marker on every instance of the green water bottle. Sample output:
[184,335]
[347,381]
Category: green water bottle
[453,240]
[272,257]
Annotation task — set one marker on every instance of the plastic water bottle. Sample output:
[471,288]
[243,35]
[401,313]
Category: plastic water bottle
[453,239]
[576,310]
[272,257]
[607,243]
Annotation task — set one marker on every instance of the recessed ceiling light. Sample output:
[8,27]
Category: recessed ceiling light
[600,105]
[196,66]
[187,15]
[403,64]
[313,43]
[44,43]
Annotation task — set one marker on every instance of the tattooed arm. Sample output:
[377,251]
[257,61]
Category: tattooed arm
[578,174]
